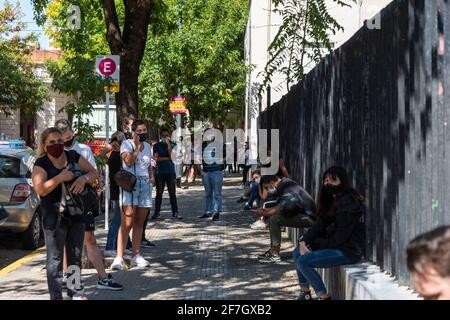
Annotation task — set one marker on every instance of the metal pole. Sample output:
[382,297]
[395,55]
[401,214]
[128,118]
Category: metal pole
[178,117]
[107,196]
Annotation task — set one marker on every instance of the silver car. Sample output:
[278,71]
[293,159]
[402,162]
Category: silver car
[19,204]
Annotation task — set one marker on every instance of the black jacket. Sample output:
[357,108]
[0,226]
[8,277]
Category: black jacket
[344,231]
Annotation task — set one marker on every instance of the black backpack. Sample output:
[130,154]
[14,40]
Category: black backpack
[85,202]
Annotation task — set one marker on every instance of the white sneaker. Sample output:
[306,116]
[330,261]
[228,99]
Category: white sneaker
[139,261]
[258,225]
[110,253]
[118,264]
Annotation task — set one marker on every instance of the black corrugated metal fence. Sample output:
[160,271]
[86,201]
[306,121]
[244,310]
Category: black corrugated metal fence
[379,106]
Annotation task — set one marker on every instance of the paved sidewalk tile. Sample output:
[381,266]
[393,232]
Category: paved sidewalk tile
[193,259]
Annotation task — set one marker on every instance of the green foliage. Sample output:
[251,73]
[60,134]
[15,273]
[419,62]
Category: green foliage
[206,60]
[20,88]
[302,38]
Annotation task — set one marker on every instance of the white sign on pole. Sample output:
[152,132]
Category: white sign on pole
[108,66]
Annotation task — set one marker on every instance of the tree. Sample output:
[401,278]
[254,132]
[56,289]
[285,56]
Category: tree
[20,88]
[73,74]
[128,42]
[302,38]
[206,61]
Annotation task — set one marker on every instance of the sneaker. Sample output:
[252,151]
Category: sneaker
[110,253]
[118,264]
[258,225]
[247,208]
[109,284]
[268,257]
[241,199]
[139,261]
[64,280]
[176,215]
[155,216]
[216,216]
[304,295]
[205,215]
[147,244]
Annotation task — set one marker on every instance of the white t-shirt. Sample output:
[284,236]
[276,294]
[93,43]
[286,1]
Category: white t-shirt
[143,160]
[85,151]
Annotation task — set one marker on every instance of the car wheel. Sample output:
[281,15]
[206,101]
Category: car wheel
[31,238]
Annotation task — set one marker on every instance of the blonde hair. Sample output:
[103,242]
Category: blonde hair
[43,137]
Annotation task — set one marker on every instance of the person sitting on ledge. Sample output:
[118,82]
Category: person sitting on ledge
[337,237]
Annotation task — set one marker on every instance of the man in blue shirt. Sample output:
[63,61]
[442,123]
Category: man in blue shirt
[165,173]
[212,175]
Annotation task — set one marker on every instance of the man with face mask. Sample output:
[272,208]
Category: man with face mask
[105,281]
[294,208]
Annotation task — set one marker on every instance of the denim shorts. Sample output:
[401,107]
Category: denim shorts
[141,195]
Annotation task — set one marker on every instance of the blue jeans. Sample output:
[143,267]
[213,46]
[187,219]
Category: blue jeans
[254,195]
[212,181]
[305,265]
[113,232]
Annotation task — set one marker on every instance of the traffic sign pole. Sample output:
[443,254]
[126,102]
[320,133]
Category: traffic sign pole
[107,195]
[108,67]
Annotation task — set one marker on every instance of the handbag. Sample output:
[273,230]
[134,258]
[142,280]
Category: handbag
[126,180]
[86,200]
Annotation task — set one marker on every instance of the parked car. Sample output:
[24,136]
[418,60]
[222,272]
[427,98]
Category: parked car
[19,203]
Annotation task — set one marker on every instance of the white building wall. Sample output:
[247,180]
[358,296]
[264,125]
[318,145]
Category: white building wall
[10,125]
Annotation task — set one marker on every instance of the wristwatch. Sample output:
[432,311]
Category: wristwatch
[86,177]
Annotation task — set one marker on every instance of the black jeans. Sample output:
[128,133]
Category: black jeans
[245,174]
[70,234]
[162,179]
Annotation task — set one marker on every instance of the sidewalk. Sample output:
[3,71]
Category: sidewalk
[193,259]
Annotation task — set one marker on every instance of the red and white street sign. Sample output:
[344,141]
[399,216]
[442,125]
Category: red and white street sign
[109,66]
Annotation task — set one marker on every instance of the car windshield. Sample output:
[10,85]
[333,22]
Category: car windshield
[9,167]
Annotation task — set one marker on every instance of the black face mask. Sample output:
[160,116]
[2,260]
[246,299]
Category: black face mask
[69,144]
[332,189]
[143,137]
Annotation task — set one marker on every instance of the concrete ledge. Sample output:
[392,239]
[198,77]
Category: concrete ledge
[364,282]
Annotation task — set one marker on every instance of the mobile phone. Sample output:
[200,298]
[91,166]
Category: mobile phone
[270,204]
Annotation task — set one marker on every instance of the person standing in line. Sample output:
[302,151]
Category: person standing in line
[105,281]
[212,177]
[144,241]
[136,155]
[61,230]
[165,174]
[247,165]
[115,165]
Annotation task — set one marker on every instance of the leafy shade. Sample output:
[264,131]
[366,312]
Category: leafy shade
[74,73]
[20,88]
[303,38]
[206,61]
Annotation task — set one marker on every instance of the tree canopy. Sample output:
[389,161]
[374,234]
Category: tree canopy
[20,87]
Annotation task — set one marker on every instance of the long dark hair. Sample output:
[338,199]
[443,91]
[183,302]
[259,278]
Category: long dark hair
[326,203]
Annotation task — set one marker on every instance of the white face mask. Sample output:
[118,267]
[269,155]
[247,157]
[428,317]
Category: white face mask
[258,179]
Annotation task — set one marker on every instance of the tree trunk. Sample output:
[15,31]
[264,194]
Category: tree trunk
[130,45]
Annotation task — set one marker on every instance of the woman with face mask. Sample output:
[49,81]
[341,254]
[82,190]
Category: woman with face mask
[60,228]
[338,236]
[136,157]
